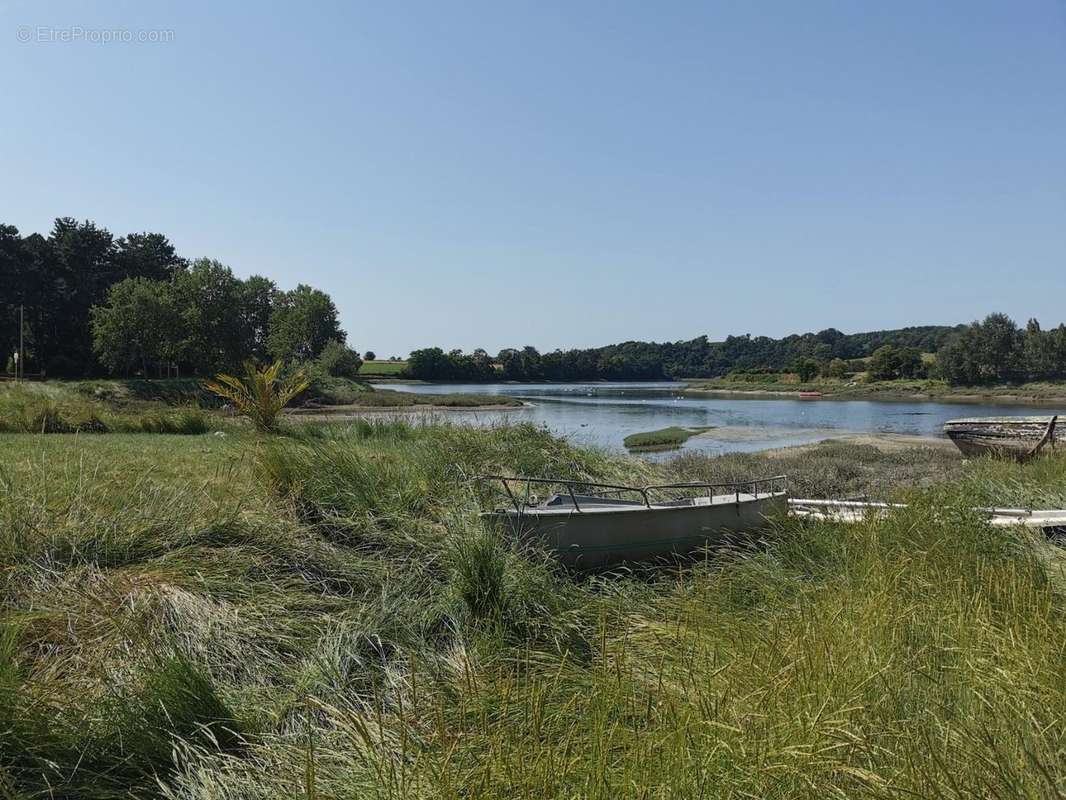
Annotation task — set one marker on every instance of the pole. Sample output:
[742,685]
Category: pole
[22,356]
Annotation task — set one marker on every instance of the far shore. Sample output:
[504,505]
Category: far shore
[1041,394]
[882,394]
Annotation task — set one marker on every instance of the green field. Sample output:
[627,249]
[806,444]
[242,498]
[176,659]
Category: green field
[320,615]
[388,368]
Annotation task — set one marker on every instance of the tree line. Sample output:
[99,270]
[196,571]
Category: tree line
[994,350]
[97,304]
[94,304]
[695,358]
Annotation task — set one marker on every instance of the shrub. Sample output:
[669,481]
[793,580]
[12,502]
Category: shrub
[837,368]
[261,395]
[339,360]
[889,362]
[806,369]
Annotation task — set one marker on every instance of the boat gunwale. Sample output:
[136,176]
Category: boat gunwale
[591,508]
[734,487]
[979,421]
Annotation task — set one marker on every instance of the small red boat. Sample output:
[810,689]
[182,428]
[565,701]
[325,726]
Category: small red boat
[810,395]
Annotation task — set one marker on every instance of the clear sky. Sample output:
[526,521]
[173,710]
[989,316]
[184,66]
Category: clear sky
[564,173]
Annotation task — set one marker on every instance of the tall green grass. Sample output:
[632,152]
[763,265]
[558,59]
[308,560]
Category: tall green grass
[25,410]
[833,469]
[321,615]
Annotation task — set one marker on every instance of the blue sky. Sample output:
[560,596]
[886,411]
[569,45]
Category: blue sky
[565,174]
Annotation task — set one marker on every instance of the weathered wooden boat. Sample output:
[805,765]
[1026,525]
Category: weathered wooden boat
[588,526]
[1010,437]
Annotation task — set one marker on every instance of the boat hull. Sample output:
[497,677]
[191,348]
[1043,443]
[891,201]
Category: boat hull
[1005,437]
[598,538]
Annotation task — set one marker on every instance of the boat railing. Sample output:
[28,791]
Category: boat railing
[777,484]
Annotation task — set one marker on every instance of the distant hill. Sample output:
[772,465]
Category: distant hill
[700,358]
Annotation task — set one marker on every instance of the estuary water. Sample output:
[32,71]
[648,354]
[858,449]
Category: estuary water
[603,414]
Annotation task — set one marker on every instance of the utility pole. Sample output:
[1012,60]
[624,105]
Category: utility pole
[22,356]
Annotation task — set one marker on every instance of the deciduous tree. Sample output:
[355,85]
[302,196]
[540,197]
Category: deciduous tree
[302,322]
[138,326]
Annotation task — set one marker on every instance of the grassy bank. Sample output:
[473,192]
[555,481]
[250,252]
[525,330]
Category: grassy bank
[926,389]
[29,409]
[389,398]
[184,405]
[320,615]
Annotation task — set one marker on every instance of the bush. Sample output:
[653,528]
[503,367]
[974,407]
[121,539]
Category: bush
[261,393]
[889,363]
[806,369]
[837,368]
[338,360]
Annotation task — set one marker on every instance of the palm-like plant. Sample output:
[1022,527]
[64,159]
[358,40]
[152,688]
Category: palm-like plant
[261,394]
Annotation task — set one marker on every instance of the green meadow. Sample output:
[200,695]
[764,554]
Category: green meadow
[384,368]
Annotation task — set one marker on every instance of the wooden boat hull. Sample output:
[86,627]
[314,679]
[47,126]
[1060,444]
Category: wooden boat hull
[599,537]
[1005,437]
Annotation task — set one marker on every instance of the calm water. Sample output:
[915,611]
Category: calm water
[605,413]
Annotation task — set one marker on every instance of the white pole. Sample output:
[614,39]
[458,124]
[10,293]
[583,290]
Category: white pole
[22,355]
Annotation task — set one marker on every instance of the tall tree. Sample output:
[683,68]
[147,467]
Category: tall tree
[145,255]
[986,352]
[16,279]
[1045,352]
[302,322]
[139,326]
[257,298]
[208,296]
[80,266]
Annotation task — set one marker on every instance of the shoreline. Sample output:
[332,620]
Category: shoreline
[969,398]
[885,391]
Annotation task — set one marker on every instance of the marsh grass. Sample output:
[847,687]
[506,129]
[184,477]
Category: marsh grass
[321,615]
[33,410]
[662,439]
[376,397]
[833,469]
